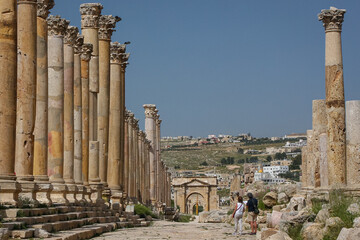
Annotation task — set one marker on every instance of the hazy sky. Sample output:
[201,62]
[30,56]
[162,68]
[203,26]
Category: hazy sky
[228,66]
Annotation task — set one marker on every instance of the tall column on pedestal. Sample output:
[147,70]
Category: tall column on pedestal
[131,189]
[136,157]
[141,136]
[158,159]
[124,63]
[113,166]
[151,136]
[41,118]
[26,89]
[8,70]
[309,157]
[107,24]
[77,111]
[126,153]
[85,58]
[147,170]
[56,31]
[335,102]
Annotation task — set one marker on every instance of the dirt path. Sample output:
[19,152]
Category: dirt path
[175,230]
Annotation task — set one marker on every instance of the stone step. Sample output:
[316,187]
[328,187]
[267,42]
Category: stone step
[14,225]
[71,224]
[85,232]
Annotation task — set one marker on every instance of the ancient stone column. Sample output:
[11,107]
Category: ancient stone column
[324,173]
[304,167]
[90,14]
[107,24]
[131,190]
[85,58]
[319,121]
[26,89]
[353,144]
[77,111]
[40,169]
[158,159]
[169,190]
[335,103]
[56,31]
[8,69]
[141,136]
[136,160]
[40,131]
[69,43]
[126,153]
[147,171]
[151,136]
[78,120]
[113,167]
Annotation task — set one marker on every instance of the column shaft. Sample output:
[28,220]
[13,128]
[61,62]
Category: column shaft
[353,143]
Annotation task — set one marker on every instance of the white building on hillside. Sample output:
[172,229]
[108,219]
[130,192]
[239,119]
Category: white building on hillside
[274,171]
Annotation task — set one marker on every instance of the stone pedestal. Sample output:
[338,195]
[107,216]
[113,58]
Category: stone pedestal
[27,195]
[80,194]
[9,192]
[58,194]
[43,192]
[352,143]
[71,193]
[96,193]
[335,103]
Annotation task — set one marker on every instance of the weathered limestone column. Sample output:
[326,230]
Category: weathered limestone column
[124,63]
[126,153]
[151,135]
[324,173]
[78,119]
[141,165]
[69,43]
[107,24]
[131,189]
[90,14]
[9,188]
[77,110]
[40,169]
[353,143]
[113,167]
[147,170]
[56,31]
[26,92]
[169,190]
[303,167]
[335,103]
[136,160]
[319,121]
[309,159]
[85,58]
[158,159]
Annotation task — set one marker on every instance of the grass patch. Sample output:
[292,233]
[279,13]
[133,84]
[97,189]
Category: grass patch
[295,232]
[230,212]
[184,218]
[143,211]
[317,205]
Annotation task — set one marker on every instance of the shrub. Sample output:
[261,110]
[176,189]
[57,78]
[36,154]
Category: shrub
[317,205]
[295,232]
[143,211]
[184,218]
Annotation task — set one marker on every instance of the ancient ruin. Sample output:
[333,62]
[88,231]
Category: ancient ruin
[70,142]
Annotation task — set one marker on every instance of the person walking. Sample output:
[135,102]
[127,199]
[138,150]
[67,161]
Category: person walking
[237,215]
[252,208]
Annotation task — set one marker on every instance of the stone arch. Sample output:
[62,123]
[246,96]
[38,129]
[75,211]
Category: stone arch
[191,200]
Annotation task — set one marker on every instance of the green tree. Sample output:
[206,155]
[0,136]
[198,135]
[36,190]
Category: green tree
[269,158]
[204,163]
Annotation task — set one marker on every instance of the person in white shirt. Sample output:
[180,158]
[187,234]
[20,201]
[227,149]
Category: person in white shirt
[237,215]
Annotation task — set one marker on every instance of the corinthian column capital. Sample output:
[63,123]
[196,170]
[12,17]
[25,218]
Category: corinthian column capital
[86,50]
[90,13]
[115,52]
[332,19]
[149,110]
[71,35]
[43,8]
[79,41]
[57,25]
[107,24]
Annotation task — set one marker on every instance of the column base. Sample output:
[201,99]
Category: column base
[96,193]
[71,192]
[106,195]
[87,194]
[27,195]
[43,193]
[58,194]
[80,197]
[9,192]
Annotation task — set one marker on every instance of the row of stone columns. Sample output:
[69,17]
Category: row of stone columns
[331,158]
[68,134]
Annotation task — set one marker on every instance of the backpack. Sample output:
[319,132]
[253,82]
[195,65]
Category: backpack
[256,210]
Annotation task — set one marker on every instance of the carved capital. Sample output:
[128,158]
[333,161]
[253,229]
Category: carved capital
[86,50]
[158,121]
[115,54]
[71,35]
[149,110]
[57,25]
[43,8]
[90,13]
[332,19]
[125,56]
[78,44]
[107,24]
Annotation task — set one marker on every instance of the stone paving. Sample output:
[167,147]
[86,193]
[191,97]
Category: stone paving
[176,230]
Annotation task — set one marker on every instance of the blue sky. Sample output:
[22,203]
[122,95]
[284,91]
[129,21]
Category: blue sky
[228,66]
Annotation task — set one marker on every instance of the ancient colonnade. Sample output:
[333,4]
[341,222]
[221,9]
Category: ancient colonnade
[331,158]
[67,136]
